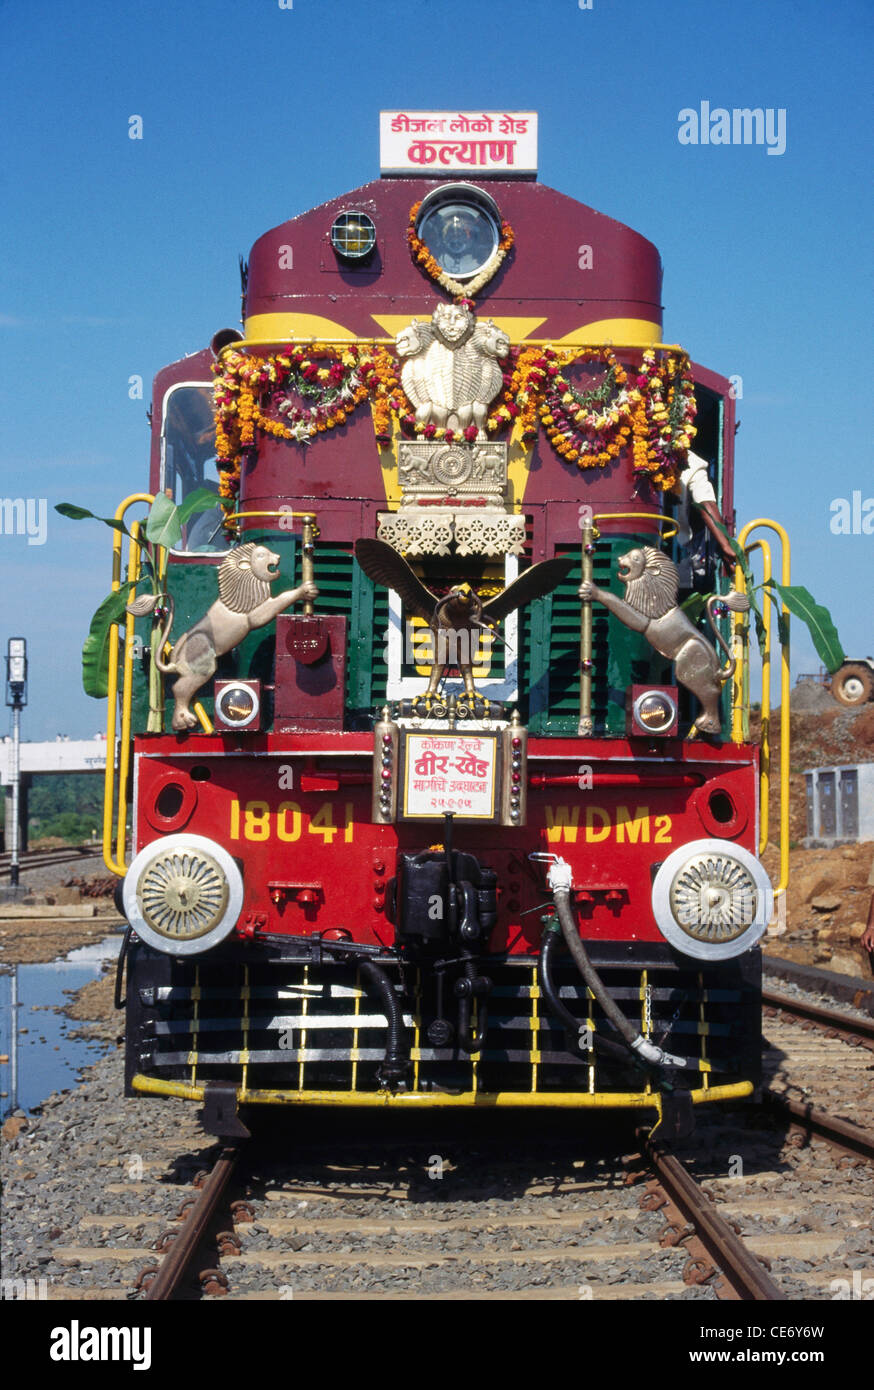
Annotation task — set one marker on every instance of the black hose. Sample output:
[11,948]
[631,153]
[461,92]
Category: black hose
[612,1011]
[119,967]
[572,1025]
[396,1062]
[637,1044]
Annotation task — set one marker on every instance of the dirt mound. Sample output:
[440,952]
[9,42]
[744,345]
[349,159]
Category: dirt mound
[829,889]
[827,737]
[809,695]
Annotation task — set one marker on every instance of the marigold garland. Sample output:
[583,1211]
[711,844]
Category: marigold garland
[424,258]
[245,385]
[653,407]
[650,407]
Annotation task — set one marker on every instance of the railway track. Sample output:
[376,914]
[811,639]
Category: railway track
[44,859]
[401,1244]
[835,1023]
[487,1212]
[573,1235]
[824,1027]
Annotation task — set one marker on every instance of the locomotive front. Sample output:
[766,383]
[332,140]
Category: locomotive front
[438,797]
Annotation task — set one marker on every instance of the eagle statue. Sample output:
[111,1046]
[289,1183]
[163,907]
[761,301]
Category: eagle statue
[459,616]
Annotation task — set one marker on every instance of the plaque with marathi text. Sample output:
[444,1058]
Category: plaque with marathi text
[450,772]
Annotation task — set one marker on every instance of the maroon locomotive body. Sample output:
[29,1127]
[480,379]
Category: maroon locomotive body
[351,885]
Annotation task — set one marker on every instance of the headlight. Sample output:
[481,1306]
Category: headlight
[238,704]
[712,899]
[655,712]
[353,235]
[183,894]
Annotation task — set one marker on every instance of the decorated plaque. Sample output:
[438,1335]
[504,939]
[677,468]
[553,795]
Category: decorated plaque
[458,142]
[450,772]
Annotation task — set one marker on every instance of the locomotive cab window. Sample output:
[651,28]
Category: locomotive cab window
[188,462]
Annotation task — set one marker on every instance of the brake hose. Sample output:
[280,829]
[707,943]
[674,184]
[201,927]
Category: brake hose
[560,879]
[574,1026]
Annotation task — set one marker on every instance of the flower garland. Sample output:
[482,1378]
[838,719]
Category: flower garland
[650,408]
[243,385]
[423,257]
[654,410]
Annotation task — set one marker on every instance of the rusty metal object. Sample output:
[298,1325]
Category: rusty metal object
[164,1241]
[228,1243]
[676,1234]
[242,1211]
[698,1271]
[714,1245]
[147,1278]
[653,1199]
[178,1258]
[842,1134]
[214,1282]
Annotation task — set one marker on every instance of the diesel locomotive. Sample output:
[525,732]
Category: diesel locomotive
[431,686]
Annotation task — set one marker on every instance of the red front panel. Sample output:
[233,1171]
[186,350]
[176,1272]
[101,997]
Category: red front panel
[295,811]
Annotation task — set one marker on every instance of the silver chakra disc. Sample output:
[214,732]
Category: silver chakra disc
[451,466]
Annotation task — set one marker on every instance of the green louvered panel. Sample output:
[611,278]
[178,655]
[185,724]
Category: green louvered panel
[621,658]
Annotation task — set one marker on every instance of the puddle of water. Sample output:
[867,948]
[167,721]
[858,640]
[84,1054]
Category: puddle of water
[97,951]
[48,1059]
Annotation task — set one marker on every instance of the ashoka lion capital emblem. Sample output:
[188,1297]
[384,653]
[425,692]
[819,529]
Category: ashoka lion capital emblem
[451,374]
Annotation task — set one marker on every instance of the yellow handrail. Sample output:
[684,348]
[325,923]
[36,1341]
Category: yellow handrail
[114,858]
[741,682]
[643,516]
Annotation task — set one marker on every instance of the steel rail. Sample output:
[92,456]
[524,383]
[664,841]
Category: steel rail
[44,858]
[176,1261]
[833,1019]
[739,1266]
[841,1133]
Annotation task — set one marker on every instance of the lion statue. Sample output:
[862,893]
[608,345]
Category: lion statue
[244,603]
[650,606]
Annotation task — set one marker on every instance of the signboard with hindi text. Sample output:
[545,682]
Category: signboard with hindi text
[450,772]
[496,143]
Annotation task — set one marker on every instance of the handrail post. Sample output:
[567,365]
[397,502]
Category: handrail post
[785,689]
[114,857]
[587,551]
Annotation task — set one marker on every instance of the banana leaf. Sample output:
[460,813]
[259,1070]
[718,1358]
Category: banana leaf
[69,509]
[95,652]
[801,604]
[163,526]
[202,500]
[693,606]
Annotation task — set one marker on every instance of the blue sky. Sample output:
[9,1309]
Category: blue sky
[121,255]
